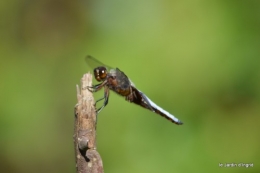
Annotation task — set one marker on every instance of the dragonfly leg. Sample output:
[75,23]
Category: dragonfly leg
[94,88]
[97,87]
[106,96]
[99,100]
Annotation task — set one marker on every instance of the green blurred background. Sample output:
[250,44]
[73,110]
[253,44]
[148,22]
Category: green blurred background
[197,59]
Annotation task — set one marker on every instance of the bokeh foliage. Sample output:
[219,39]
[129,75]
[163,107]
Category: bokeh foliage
[197,59]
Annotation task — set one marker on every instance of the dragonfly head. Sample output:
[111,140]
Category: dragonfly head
[100,73]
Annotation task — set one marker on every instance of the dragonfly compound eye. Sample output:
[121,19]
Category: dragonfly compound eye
[100,73]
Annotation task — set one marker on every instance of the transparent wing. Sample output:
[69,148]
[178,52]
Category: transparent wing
[93,62]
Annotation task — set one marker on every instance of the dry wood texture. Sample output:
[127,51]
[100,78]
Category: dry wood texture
[88,159]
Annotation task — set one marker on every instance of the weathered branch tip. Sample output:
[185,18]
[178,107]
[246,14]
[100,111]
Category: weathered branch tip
[88,159]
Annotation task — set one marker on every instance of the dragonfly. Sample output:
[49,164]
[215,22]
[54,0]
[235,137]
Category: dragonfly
[116,80]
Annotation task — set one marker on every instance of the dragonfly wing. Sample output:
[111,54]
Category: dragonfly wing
[93,63]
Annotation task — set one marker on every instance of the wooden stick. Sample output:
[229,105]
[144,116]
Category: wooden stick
[88,159]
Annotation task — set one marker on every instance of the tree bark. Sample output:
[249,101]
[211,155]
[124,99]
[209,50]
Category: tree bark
[88,159]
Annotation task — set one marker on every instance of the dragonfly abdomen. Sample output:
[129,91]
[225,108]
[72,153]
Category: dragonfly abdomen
[168,116]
